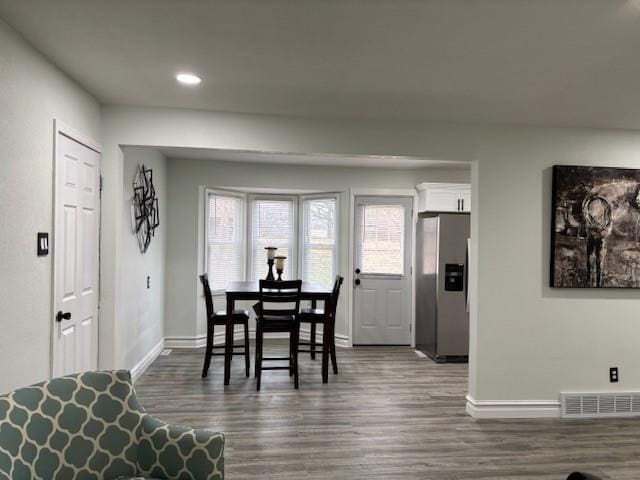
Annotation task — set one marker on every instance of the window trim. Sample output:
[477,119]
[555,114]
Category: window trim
[336,251]
[208,192]
[249,249]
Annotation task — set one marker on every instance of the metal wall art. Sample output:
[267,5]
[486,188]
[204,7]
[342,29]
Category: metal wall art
[145,204]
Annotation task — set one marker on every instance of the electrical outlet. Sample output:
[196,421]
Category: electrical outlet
[613,374]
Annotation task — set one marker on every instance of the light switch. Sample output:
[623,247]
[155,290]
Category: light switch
[43,244]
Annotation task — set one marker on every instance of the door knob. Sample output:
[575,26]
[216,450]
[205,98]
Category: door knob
[357,271]
[357,281]
[63,316]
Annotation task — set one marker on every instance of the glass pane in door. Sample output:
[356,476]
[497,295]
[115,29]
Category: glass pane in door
[382,239]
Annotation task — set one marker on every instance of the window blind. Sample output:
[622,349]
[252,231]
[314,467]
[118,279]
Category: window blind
[224,240]
[319,240]
[273,225]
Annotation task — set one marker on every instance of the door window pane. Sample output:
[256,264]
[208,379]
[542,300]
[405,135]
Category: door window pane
[382,239]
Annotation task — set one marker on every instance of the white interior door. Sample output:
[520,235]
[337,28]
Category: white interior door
[382,271]
[75,250]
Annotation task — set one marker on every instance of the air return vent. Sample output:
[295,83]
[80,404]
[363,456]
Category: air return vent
[589,405]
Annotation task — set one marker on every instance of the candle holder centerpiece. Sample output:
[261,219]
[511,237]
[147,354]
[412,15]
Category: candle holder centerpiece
[271,253]
[280,265]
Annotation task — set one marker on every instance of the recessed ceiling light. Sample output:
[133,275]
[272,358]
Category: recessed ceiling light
[188,78]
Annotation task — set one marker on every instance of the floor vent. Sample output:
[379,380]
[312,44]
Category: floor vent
[590,405]
[165,352]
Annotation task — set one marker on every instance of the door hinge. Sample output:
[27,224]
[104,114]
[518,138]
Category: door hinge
[101,183]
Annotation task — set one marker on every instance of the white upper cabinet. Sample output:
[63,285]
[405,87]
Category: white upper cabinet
[444,197]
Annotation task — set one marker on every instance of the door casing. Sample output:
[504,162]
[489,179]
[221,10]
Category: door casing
[60,128]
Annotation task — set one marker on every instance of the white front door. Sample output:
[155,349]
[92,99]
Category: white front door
[382,271]
[75,250]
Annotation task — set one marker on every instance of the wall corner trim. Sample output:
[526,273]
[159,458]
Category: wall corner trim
[144,363]
[512,408]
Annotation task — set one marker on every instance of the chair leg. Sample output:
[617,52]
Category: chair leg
[312,341]
[257,346]
[258,366]
[208,350]
[291,339]
[334,362]
[296,336]
[247,361]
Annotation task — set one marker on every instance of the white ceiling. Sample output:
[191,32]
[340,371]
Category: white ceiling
[544,62]
[397,162]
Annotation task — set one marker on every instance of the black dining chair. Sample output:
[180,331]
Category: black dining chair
[315,316]
[278,312]
[238,317]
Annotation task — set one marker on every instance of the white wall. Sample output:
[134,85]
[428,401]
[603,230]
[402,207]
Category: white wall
[32,94]
[142,307]
[529,342]
[184,302]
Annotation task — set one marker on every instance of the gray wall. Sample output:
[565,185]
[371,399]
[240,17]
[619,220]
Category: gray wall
[142,308]
[184,303]
[32,94]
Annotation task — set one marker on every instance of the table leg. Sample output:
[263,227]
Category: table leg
[327,331]
[228,340]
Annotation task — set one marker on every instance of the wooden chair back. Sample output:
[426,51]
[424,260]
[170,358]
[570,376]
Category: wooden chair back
[208,298]
[280,297]
[335,294]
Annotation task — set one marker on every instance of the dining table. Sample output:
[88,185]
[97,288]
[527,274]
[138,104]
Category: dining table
[250,290]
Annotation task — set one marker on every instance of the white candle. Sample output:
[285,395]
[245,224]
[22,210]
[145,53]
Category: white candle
[271,252]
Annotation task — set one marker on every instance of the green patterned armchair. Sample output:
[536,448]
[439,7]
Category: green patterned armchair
[91,426]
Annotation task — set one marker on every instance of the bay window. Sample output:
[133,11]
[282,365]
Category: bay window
[239,226]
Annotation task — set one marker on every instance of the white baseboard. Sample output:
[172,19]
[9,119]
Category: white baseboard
[140,367]
[341,340]
[185,342]
[512,408]
[218,339]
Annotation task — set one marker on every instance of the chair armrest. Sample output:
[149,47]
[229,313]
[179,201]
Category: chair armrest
[172,452]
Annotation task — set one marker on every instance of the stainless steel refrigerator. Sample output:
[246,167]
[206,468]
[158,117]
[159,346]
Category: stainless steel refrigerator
[442,317]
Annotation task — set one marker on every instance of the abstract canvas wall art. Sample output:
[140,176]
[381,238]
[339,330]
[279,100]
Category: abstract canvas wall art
[595,234]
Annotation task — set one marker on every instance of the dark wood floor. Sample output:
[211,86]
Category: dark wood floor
[389,415]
